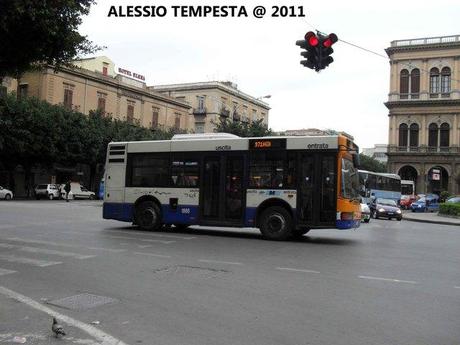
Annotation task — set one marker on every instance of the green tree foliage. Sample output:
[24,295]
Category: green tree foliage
[371,164]
[36,133]
[243,129]
[34,32]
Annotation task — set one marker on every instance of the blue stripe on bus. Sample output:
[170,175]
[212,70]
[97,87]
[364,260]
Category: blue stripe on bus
[118,211]
[250,217]
[347,224]
[184,214]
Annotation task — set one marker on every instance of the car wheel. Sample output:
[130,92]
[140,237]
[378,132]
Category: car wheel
[375,215]
[366,220]
[8,197]
[276,223]
[147,216]
[399,219]
[50,196]
[91,197]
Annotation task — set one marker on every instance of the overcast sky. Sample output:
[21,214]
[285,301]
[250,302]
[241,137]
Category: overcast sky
[260,55]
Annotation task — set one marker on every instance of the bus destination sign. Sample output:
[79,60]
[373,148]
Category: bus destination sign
[267,144]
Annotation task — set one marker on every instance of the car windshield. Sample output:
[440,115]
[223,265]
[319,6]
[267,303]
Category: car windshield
[454,200]
[387,202]
[422,199]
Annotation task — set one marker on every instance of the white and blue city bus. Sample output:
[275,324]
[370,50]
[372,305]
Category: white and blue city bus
[283,185]
[379,185]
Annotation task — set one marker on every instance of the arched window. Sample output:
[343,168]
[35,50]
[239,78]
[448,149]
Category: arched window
[433,135]
[444,135]
[445,82]
[413,138]
[404,84]
[414,83]
[403,134]
[434,82]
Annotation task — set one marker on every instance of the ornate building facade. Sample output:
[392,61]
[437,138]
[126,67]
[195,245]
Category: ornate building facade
[424,112]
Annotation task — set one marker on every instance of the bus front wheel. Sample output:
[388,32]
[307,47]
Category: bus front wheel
[276,223]
[148,216]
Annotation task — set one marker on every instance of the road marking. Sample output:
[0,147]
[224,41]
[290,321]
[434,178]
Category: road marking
[104,338]
[456,287]
[4,271]
[152,234]
[46,251]
[388,280]
[220,262]
[28,261]
[296,270]
[17,239]
[151,254]
[143,247]
[143,240]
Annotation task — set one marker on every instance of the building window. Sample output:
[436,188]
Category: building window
[130,112]
[155,113]
[445,82]
[23,90]
[413,135]
[68,96]
[199,127]
[254,115]
[433,135]
[415,83]
[434,82]
[200,102]
[404,84]
[444,135]
[105,68]
[177,121]
[101,102]
[403,135]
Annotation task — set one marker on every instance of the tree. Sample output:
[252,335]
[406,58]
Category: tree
[243,129]
[371,164]
[36,32]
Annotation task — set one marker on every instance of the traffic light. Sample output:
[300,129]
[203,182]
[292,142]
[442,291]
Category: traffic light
[318,50]
[325,51]
[310,44]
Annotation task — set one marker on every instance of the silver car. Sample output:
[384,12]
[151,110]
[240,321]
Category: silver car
[48,191]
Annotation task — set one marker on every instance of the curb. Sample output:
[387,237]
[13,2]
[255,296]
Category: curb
[442,222]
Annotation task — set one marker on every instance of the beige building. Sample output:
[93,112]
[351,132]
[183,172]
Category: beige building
[98,84]
[211,101]
[424,112]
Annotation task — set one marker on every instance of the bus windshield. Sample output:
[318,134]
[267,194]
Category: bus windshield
[350,180]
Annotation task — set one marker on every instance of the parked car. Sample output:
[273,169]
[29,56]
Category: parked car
[428,203]
[365,213]
[77,191]
[5,193]
[49,191]
[454,199]
[385,208]
[406,201]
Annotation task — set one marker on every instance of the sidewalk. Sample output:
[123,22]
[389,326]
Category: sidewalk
[430,217]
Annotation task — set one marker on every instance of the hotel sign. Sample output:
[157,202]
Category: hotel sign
[131,74]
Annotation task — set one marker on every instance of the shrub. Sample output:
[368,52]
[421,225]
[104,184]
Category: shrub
[450,209]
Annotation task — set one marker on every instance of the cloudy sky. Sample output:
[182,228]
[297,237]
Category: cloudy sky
[260,55]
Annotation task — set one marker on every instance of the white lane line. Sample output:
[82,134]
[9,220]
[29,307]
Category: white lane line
[456,287]
[143,239]
[155,235]
[388,280]
[24,240]
[28,261]
[296,270]
[45,251]
[4,271]
[143,247]
[104,338]
[151,254]
[220,262]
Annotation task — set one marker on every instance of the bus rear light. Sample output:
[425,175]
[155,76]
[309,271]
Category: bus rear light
[346,216]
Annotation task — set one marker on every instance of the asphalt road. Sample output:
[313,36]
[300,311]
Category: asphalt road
[388,282]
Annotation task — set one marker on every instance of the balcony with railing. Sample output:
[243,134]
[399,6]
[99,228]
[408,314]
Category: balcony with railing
[199,111]
[423,149]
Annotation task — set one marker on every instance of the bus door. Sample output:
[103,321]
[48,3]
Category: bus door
[317,200]
[222,200]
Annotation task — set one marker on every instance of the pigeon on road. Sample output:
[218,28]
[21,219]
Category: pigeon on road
[57,328]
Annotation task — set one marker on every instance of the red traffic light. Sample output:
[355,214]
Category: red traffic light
[311,39]
[330,40]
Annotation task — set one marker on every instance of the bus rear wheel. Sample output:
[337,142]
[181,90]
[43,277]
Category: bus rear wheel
[147,216]
[276,224]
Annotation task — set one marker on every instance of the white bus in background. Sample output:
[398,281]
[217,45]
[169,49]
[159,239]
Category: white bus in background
[283,185]
[407,187]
